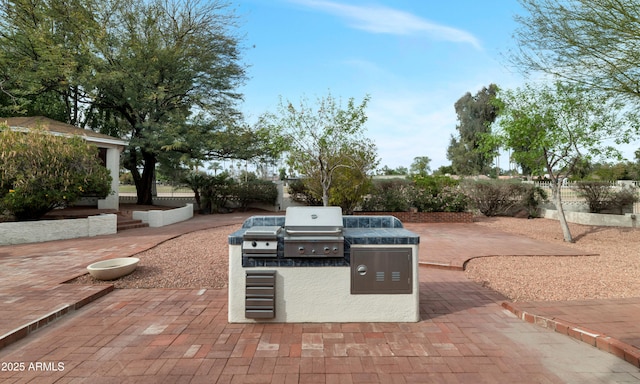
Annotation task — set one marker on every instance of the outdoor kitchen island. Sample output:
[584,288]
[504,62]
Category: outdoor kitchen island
[315,265]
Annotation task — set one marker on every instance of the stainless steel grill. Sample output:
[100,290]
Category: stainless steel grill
[313,232]
[261,241]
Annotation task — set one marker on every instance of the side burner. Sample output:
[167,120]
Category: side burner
[261,241]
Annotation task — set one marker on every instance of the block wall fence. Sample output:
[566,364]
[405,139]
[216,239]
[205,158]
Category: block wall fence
[425,217]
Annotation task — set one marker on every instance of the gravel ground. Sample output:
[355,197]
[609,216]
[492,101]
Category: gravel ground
[615,273]
[194,260]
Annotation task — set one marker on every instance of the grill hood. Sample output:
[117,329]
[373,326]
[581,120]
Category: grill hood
[313,221]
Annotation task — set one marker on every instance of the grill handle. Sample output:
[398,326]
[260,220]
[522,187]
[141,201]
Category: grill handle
[303,232]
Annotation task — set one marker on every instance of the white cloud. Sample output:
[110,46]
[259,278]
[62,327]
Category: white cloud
[405,125]
[379,19]
[366,66]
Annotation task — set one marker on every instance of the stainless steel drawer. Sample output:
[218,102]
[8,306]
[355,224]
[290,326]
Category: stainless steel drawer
[260,313]
[260,295]
[260,280]
[261,291]
[260,302]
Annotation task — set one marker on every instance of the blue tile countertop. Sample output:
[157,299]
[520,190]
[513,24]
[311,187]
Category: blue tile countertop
[360,230]
[357,229]
[380,236]
[257,221]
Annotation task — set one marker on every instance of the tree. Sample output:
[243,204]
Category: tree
[444,170]
[349,188]
[41,172]
[323,140]
[162,74]
[239,142]
[350,183]
[591,42]
[44,57]
[562,125]
[612,172]
[475,115]
[215,167]
[420,166]
[197,181]
[400,170]
[158,62]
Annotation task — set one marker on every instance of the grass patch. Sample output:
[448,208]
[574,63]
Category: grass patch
[126,188]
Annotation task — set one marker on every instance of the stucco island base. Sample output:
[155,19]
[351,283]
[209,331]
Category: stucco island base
[322,294]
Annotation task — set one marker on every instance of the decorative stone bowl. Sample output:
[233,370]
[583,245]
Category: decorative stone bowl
[113,268]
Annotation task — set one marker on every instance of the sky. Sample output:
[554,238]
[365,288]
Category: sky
[415,59]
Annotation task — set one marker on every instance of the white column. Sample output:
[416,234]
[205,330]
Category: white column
[112,201]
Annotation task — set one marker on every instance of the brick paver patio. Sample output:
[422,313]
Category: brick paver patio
[164,335]
[168,335]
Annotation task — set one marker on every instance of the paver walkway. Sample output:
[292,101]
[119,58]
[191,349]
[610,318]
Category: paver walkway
[183,336]
[166,335]
[611,325]
[451,245]
[31,275]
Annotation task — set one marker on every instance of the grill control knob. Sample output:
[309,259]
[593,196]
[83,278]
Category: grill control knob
[335,249]
[254,244]
[326,249]
[300,249]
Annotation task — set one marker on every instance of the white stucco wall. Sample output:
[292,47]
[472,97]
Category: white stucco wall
[601,219]
[322,294]
[160,218]
[48,230]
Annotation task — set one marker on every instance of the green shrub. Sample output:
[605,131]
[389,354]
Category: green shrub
[504,198]
[532,196]
[300,193]
[256,191]
[393,195]
[622,198]
[434,183]
[426,194]
[41,172]
[448,199]
[438,194]
[349,189]
[596,193]
[196,181]
[601,196]
[215,192]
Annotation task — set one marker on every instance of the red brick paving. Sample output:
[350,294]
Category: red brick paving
[127,335]
[31,275]
[450,246]
[163,335]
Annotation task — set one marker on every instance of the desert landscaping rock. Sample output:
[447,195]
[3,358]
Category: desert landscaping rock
[614,273]
[200,260]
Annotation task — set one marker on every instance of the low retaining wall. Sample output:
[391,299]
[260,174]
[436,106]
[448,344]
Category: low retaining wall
[180,201]
[47,230]
[165,201]
[159,218]
[425,217]
[605,220]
